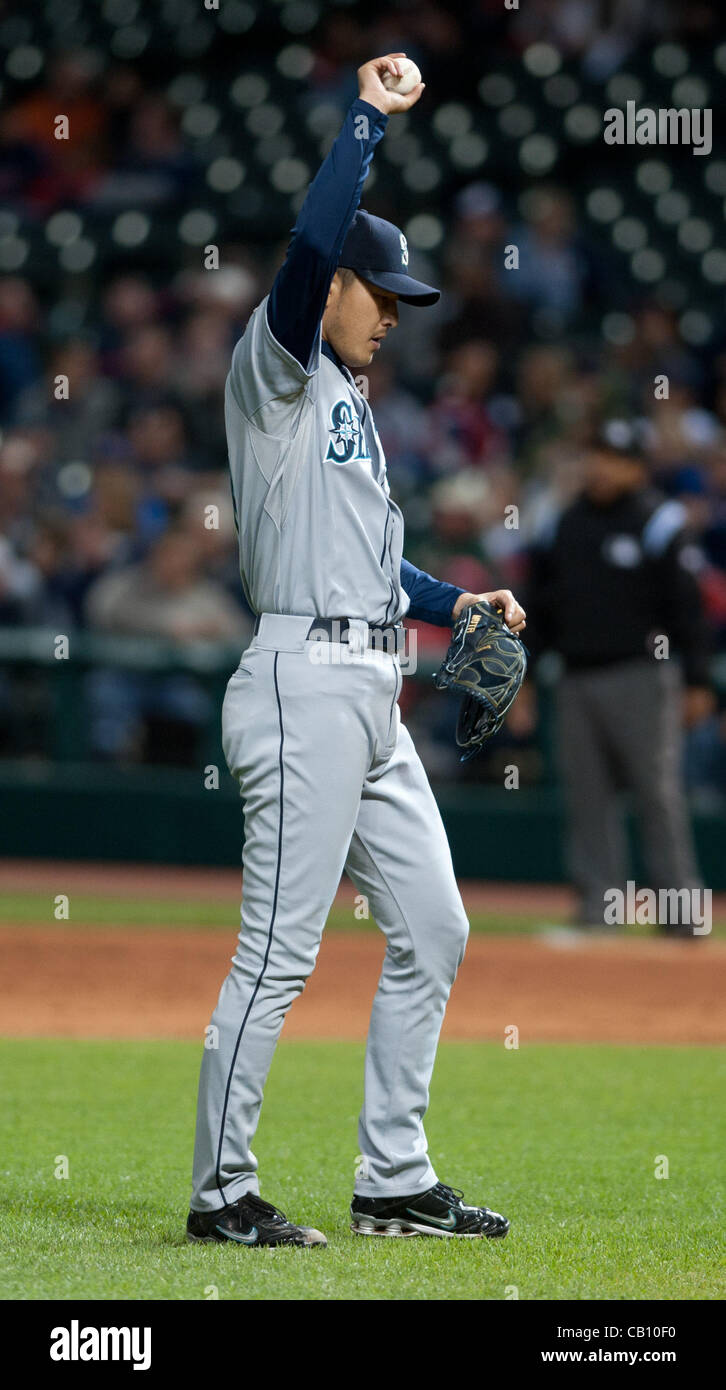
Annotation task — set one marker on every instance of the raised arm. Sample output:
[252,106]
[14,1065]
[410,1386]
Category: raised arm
[298,296]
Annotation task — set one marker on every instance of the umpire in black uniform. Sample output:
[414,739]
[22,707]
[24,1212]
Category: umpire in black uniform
[614,591]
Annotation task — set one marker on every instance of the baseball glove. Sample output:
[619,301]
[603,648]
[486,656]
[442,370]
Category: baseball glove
[486,663]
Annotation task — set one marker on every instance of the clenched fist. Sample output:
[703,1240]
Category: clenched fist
[514,614]
[371,88]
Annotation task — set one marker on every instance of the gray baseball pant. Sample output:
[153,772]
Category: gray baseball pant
[330,780]
[620,729]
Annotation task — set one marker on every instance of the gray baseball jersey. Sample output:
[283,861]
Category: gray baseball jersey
[319,533]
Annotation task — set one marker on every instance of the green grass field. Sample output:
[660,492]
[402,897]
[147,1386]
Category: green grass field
[136,910]
[129,911]
[563,1139]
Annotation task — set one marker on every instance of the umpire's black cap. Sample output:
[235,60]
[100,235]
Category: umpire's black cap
[378,252]
[625,436]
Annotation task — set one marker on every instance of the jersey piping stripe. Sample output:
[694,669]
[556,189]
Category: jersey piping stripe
[386,546]
[396,693]
[385,536]
[392,598]
[234,504]
[273,914]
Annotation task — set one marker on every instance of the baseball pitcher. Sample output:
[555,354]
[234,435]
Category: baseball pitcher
[329,776]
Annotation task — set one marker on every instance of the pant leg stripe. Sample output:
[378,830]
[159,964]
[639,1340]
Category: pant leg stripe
[273,914]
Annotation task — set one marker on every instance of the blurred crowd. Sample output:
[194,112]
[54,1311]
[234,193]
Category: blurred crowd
[482,402]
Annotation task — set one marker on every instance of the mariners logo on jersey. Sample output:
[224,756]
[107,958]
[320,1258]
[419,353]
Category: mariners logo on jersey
[347,441]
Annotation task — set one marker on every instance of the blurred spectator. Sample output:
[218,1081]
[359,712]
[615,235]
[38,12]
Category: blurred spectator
[479,220]
[681,431]
[166,596]
[20,365]
[479,303]
[655,350]
[232,291]
[22,165]
[20,458]
[19,581]
[116,490]
[461,431]
[128,304]
[215,536]
[551,401]
[603,34]
[70,553]
[153,168]
[160,455]
[205,350]
[460,508]
[72,166]
[714,537]
[147,367]
[133,714]
[87,408]
[552,267]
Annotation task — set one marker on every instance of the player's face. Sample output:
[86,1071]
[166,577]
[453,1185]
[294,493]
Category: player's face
[608,476]
[357,318]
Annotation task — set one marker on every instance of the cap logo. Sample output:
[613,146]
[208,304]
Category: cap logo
[404,250]
[619,434]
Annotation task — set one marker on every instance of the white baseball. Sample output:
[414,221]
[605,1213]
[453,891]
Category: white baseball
[410,78]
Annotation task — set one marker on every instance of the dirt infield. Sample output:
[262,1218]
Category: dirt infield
[124,983]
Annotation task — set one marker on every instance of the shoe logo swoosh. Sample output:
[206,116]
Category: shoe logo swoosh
[448,1222]
[243,1240]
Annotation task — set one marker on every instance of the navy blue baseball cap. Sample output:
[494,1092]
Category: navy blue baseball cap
[378,252]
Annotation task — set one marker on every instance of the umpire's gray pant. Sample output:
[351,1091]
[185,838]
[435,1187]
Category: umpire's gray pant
[620,729]
[330,780]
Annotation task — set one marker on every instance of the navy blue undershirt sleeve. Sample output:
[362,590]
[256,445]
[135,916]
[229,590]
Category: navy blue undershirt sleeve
[297,298]
[431,599]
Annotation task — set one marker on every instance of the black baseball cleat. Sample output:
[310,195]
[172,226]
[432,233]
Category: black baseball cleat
[439,1212]
[249,1221]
